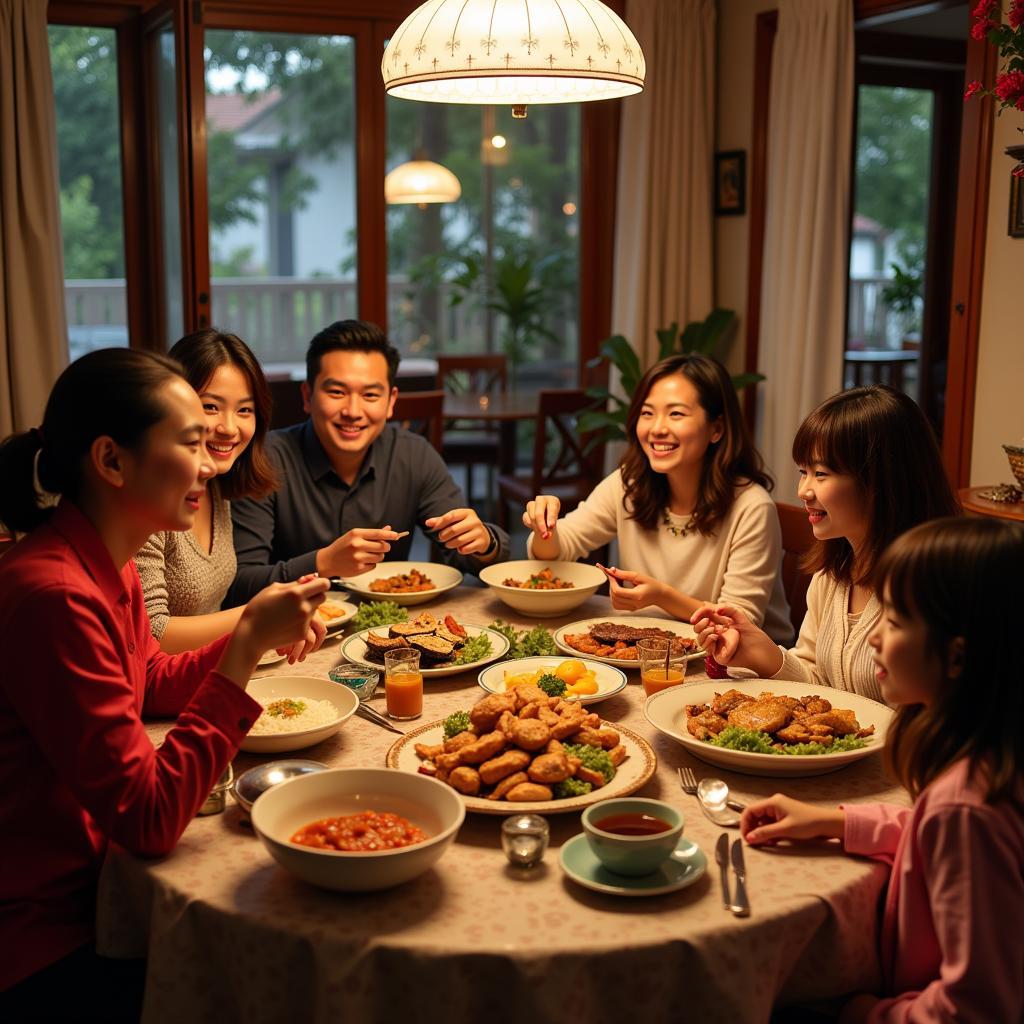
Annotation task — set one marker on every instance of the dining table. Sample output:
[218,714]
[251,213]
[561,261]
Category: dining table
[507,409]
[230,935]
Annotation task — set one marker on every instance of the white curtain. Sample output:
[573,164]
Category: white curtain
[803,290]
[663,223]
[33,348]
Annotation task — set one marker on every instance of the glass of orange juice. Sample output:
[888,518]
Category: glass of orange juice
[659,669]
[403,684]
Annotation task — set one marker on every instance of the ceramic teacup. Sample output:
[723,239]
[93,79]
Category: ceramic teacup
[632,854]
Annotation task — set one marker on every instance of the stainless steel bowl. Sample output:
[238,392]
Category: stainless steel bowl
[256,781]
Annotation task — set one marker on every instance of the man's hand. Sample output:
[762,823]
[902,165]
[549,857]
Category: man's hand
[460,530]
[356,552]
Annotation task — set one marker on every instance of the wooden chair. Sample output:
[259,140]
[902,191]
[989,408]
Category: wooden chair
[471,443]
[797,538]
[422,412]
[287,398]
[570,471]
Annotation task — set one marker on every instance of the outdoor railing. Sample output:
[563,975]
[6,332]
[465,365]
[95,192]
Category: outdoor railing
[871,323]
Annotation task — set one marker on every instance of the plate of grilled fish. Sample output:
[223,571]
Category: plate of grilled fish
[446,645]
[613,639]
[770,727]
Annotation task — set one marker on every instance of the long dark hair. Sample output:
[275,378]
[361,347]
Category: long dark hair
[881,438]
[962,577]
[202,353]
[113,392]
[728,462]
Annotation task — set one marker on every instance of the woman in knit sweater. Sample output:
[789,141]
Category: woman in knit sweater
[689,504]
[869,470]
[185,575]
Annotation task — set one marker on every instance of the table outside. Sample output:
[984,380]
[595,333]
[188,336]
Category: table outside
[507,409]
[230,935]
[972,501]
[888,363]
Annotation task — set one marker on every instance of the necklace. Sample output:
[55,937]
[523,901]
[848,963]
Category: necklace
[678,531]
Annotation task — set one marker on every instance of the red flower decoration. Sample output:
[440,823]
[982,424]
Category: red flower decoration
[984,9]
[1010,88]
[972,88]
[1016,15]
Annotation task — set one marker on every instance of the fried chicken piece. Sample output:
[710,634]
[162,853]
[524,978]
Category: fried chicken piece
[569,724]
[766,715]
[484,749]
[531,710]
[428,751]
[529,791]
[530,734]
[549,768]
[592,720]
[509,782]
[596,779]
[460,740]
[527,694]
[797,733]
[617,755]
[729,701]
[486,712]
[815,705]
[447,762]
[465,780]
[605,737]
[693,710]
[841,722]
[548,717]
[584,643]
[504,764]
[554,747]
[868,730]
[504,724]
[706,724]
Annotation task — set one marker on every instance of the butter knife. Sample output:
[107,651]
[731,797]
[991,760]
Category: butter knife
[722,860]
[741,908]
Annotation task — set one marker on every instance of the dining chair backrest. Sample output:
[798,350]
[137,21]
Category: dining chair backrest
[286,395]
[422,412]
[797,540]
[472,374]
[560,451]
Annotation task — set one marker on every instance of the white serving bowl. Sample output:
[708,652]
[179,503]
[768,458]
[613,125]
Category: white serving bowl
[610,680]
[585,580]
[280,812]
[299,687]
[443,576]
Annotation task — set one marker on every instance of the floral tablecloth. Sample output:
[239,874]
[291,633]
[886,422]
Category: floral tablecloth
[231,936]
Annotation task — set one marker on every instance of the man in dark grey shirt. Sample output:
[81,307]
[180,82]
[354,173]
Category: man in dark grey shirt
[350,485]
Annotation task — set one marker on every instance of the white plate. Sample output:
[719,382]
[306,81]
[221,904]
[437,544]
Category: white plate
[270,658]
[339,620]
[633,773]
[683,629]
[354,650]
[610,680]
[666,711]
[686,864]
[443,575]
[585,580]
[297,687]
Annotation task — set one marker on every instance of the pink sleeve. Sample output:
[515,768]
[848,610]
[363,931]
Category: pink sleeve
[971,864]
[874,830]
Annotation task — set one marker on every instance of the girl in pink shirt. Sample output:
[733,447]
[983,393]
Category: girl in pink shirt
[952,944]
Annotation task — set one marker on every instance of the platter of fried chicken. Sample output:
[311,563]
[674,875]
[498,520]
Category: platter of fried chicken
[524,751]
[770,726]
[613,639]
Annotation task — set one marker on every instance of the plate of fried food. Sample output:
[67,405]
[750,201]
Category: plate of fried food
[574,679]
[770,726]
[613,639]
[525,752]
[540,588]
[334,614]
[446,645]
[405,583]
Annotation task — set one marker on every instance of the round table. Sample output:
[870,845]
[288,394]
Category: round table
[231,936]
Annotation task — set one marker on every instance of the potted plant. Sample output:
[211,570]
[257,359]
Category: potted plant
[903,295]
[608,417]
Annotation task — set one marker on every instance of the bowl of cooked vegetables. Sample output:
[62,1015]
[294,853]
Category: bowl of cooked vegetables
[573,678]
[358,829]
[542,589]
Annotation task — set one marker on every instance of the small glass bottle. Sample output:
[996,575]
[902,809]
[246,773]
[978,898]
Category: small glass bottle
[524,838]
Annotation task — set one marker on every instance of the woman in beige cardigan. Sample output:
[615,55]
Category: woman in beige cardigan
[869,470]
[689,505]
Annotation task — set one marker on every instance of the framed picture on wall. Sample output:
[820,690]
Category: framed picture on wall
[1015,227]
[731,183]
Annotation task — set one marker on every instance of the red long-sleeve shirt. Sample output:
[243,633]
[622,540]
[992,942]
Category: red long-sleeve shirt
[78,667]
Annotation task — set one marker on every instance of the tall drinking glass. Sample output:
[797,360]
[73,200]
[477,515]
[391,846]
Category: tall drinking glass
[403,684]
[659,668]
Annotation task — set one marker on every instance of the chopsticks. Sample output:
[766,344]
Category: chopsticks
[372,715]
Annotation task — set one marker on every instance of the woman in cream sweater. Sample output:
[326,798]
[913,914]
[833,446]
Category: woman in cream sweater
[869,470]
[689,505]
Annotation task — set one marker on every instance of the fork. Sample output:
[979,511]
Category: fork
[688,781]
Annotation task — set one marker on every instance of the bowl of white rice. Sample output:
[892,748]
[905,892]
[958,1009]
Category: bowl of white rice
[298,712]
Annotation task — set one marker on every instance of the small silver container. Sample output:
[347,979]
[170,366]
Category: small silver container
[250,785]
[217,800]
[360,679]
[524,838]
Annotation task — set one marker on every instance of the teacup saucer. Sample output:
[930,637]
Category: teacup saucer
[686,864]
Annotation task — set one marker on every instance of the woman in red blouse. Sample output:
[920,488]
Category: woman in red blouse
[122,445]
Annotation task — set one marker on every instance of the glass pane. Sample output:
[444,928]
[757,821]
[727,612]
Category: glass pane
[280,114]
[170,211]
[498,269]
[889,243]
[84,66]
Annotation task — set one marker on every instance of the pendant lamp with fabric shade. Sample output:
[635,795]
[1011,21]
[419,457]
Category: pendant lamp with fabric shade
[513,52]
[421,181]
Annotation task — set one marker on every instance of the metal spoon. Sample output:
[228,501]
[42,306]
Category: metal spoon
[715,811]
[715,794]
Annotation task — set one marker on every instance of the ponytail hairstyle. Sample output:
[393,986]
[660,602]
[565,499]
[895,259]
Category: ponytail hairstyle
[881,438]
[961,577]
[201,354]
[113,392]
[730,461]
